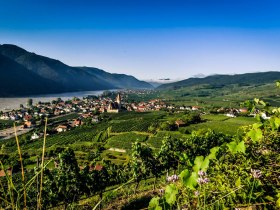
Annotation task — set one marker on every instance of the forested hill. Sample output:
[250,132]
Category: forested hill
[23,72]
[223,80]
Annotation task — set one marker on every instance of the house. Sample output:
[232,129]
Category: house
[264,116]
[77,122]
[141,108]
[194,108]
[57,112]
[62,128]
[243,110]
[95,119]
[230,115]
[98,167]
[27,117]
[28,124]
[35,136]
[86,115]
[180,123]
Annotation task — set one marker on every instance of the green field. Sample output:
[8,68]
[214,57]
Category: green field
[221,124]
[125,140]
[126,128]
[6,124]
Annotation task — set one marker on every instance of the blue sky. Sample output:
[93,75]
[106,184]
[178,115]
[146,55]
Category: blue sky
[149,39]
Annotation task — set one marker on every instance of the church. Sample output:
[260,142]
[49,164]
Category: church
[116,106]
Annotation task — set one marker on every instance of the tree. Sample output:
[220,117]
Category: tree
[143,162]
[168,154]
[68,180]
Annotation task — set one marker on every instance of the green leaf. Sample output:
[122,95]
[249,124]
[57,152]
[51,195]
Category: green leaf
[213,153]
[277,122]
[258,118]
[205,164]
[255,133]
[171,192]
[274,122]
[235,148]
[183,157]
[269,198]
[197,163]
[256,100]
[184,175]
[189,179]
[238,182]
[200,163]
[154,204]
[257,125]
[276,110]
[278,202]
[262,103]
[241,147]
[278,84]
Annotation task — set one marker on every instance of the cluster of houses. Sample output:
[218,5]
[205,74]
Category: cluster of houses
[87,106]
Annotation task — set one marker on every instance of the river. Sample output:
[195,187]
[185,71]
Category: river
[7,104]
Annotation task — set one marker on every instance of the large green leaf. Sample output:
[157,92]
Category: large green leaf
[275,122]
[213,153]
[189,179]
[154,204]
[278,84]
[255,133]
[235,148]
[200,163]
[171,192]
[278,203]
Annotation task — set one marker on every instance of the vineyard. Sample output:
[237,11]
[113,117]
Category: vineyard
[135,121]
[6,124]
[137,146]
[125,140]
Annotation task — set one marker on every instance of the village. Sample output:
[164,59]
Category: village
[68,114]
[87,109]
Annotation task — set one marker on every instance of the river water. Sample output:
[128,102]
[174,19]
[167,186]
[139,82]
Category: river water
[7,104]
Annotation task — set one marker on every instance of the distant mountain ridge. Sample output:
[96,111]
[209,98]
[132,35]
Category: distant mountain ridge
[36,74]
[223,80]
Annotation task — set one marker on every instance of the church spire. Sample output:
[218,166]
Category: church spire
[118,100]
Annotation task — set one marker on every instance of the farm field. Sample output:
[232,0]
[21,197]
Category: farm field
[6,124]
[111,142]
[223,124]
[127,128]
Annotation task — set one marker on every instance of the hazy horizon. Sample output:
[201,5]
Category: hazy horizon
[148,39]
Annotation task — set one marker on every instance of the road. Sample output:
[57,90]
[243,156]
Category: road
[10,132]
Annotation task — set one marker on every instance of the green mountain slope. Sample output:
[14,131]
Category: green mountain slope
[118,80]
[223,80]
[17,80]
[68,78]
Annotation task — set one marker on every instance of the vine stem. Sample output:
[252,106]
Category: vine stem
[204,203]
[22,168]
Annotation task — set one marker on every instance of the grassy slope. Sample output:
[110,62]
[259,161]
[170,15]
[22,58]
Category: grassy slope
[228,96]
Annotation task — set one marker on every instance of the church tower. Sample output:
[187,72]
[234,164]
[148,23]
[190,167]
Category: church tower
[118,100]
